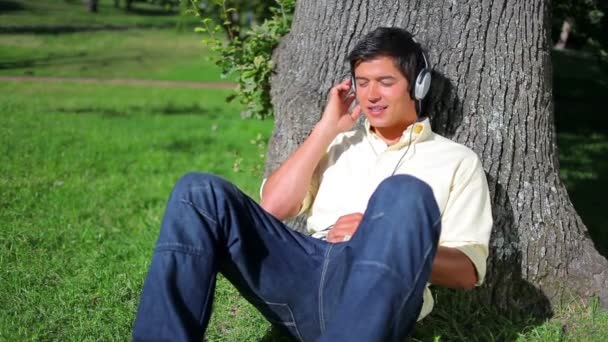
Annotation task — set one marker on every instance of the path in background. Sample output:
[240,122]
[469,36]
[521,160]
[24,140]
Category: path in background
[125,81]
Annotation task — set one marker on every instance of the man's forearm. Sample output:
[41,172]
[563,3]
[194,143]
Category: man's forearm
[286,187]
[453,269]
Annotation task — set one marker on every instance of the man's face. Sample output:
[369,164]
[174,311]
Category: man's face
[384,94]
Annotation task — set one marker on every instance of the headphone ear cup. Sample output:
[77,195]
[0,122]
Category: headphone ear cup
[422,85]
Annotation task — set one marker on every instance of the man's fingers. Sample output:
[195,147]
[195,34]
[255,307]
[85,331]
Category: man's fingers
[338,236]
[355,114]
[349,98]
[350,217]
[344,85]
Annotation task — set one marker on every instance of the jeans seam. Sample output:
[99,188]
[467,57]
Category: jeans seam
[255,298]
[189,250]
[210,292]
[409,294]
[321,284]
[180,248]
[293,319]
[437,222]
[198,210]
[379,265]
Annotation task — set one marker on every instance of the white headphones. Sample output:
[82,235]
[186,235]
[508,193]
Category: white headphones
[423,81]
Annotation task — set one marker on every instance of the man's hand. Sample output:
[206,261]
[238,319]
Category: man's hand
[297,171]
[336,116]
[344,228]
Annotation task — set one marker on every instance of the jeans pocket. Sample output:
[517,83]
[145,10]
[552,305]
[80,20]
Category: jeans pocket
[278,314]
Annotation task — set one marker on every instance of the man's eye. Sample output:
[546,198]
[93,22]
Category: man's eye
[362,84]
[387,83]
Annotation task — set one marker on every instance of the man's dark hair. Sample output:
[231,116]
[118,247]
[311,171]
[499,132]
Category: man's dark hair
[390,42]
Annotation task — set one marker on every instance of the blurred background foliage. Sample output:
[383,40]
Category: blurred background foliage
[587,21]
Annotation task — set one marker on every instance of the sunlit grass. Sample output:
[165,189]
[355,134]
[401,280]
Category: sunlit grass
[56,16]
[143,54]
[85,173]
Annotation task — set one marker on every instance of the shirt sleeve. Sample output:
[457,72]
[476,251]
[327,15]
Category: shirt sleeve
[466,222]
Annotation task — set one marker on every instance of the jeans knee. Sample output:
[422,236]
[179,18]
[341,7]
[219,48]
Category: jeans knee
[403,203]
[195,196]
[198,181]
[404,188]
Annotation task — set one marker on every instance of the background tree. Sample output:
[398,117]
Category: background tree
[234,15]
[583,20]
[92,5]
[492,91]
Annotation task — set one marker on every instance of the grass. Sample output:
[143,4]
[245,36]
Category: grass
[57,16]
[151,54]
[86,171]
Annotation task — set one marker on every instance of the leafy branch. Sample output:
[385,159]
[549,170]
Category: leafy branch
[247,52]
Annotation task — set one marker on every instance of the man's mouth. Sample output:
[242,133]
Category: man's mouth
[376,110]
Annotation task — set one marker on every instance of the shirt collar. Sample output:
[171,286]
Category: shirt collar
[418,131]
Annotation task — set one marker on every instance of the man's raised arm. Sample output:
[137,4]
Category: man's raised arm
[286,187]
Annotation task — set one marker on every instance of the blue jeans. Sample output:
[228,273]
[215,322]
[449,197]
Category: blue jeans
[367,289]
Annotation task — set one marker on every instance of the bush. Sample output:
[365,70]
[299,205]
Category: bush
[247,52]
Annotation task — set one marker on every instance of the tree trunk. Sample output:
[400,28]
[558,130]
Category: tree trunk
[92,5]
[492,91]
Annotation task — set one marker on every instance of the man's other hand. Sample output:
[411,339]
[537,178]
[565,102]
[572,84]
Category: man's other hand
[344,228]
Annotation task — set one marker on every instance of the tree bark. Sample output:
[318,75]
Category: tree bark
[492,91]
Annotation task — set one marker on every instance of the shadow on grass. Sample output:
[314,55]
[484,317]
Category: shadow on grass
[580,88]
[165,109]
[152,12]
[275,334]
[59,29]
[10,6]
[188,145]
[461,316]
[79,59]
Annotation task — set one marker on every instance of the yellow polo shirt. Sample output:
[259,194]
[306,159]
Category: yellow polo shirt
[357,161]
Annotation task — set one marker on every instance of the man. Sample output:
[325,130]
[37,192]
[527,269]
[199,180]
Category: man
[393,207]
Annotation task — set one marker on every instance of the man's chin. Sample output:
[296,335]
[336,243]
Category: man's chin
[376,121]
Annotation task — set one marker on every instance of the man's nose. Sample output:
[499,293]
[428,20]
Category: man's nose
[373,92]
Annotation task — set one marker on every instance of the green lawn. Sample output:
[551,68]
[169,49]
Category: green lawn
[57,16]
[144,54]
[86,171]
